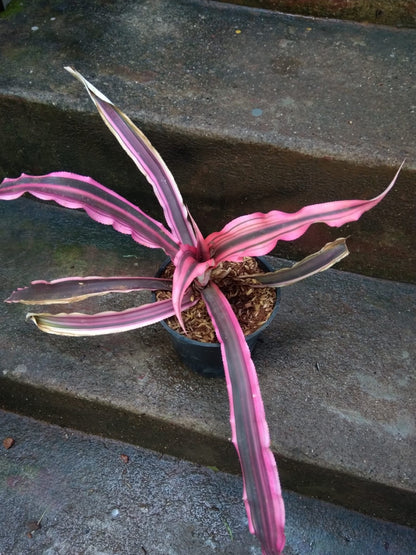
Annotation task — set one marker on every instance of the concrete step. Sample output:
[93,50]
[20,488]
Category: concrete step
[383,12]
[98,496]
[252,110]
[336,369]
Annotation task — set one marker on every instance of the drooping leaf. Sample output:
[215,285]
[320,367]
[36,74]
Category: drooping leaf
[329,255]
[101,204]
[250,435]
[82,325]
[147,159]
[61,291]
[256,234]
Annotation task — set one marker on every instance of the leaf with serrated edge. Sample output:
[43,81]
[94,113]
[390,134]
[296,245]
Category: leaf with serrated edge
[101,204]
[250,434]
[256,234]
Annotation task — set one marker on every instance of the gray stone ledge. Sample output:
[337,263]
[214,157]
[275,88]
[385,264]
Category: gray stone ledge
[382,12]
[336,369]
[336,100]
[93,500]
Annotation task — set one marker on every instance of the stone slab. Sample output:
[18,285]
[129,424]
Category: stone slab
[382,12]
[336,369]
[90,500]
[252,110]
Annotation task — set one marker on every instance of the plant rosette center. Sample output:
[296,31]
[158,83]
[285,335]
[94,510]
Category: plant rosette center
[252,305]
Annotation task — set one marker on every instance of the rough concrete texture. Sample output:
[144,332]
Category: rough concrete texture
[252,110]
[336,369]
[90,499]
[385,12]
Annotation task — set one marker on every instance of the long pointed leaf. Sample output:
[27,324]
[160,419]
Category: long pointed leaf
[257,234]
[82,325]
[101,204]
[250,435]
[61,291]
[329,255]
[147,159]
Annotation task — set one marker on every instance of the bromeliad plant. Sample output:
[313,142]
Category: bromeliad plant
[195,259]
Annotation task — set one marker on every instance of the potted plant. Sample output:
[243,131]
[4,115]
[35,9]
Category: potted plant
[197,276]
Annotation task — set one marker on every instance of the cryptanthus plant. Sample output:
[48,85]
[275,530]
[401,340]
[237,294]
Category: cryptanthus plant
[195,259]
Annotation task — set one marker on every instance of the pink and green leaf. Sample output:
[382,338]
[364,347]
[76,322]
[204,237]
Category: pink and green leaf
[147,159]
[101,204]
[82,325]
[61,291]
[250,435]
[202,249]
[187,268]
[256,234]
[329,255]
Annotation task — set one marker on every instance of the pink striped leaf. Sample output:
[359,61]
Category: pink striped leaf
[202,249]
[329,255]
[61,291]
[147,159]
[250,435]
[256,234]
[101,204]
[81,325]
[187,268]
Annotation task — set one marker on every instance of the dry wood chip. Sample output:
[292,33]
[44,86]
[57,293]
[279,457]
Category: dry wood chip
[8,442]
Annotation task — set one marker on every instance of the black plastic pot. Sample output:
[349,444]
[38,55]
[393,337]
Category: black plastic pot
[205,358]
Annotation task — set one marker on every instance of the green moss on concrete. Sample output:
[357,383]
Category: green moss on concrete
[15,6]
[71,258]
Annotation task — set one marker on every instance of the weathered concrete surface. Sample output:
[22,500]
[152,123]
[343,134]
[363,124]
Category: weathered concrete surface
[94,502]
[252,110]
[336,369]
[385,12]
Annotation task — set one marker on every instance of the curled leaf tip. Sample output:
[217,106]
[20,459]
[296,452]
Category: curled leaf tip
[31,316]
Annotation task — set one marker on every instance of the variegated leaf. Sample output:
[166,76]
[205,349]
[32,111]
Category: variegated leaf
[82,325]
[101,204]
[329,255]
[250,434]
[61,291]
[256,234]
[147,159]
